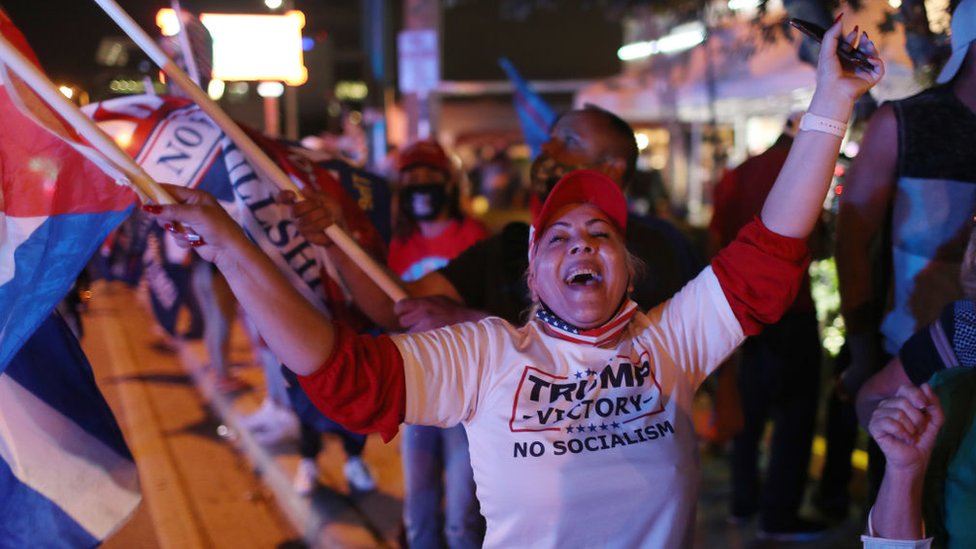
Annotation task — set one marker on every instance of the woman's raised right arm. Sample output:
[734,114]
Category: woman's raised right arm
[299,335]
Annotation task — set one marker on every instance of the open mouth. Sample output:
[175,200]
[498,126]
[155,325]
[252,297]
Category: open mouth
[583,277]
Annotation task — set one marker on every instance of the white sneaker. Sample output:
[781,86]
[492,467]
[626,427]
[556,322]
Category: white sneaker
[259,416]
[358,475]
[306,477]
[276,426]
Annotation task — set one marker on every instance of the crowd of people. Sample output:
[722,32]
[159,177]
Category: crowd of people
[541,379]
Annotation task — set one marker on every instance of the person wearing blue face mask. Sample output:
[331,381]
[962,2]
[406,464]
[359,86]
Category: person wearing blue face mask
[429,230]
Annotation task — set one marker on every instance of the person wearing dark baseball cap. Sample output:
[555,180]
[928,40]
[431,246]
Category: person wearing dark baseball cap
[579,421]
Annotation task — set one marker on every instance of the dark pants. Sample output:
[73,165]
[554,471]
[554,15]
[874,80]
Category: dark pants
[779,381]
[310,443]
[842,428]
[313,423]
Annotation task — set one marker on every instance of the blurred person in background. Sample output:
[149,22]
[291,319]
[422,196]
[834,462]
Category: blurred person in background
[903,219]
[779,370]
[429,230]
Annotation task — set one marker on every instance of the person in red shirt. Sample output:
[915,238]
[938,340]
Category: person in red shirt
[430,230]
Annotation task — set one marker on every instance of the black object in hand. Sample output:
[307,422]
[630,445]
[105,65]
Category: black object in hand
[850,56]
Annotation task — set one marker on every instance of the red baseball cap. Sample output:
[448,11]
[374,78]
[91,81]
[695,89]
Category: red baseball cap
[583,187]
[424,153]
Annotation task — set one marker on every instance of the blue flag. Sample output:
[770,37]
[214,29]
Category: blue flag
[535,115]
[370,191]
[67,478]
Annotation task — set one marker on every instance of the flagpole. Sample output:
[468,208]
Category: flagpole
[44,88]
[245,143]
[184,39]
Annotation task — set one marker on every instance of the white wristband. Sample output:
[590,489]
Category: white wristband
[813,122]
[872,541]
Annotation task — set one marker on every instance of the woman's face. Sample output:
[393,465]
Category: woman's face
[579,269]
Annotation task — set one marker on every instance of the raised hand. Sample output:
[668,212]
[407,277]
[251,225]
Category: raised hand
[832,76]
[905,427]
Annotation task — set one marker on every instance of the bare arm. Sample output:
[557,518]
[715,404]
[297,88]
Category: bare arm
[298,334]
[315,214]
[433,301]
[862,210]
[794,203]
[905,427]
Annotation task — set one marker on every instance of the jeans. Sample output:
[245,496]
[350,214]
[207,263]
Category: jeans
[436,464]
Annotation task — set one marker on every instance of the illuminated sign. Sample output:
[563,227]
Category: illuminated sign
[252,47]
[351,90]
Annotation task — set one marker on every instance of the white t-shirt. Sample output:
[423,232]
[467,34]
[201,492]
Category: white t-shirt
[573,445]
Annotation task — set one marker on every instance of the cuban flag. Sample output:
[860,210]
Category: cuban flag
[535,115]
[56,208]
[66,477]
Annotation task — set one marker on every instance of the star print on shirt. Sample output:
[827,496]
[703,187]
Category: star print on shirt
[593,336]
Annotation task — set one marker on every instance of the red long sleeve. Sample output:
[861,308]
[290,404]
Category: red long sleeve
[361,386]
[760,273]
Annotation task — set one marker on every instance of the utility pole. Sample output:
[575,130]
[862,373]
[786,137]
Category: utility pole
[422,23]
[377,33]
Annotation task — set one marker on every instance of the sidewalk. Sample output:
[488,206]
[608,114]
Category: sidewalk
[332,516]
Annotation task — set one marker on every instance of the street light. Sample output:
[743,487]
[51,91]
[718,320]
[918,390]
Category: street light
[681,38]
[271,89]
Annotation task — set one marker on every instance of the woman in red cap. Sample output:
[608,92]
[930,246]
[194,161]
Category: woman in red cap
[579,422]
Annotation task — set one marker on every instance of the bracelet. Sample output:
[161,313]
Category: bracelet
[813,122]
